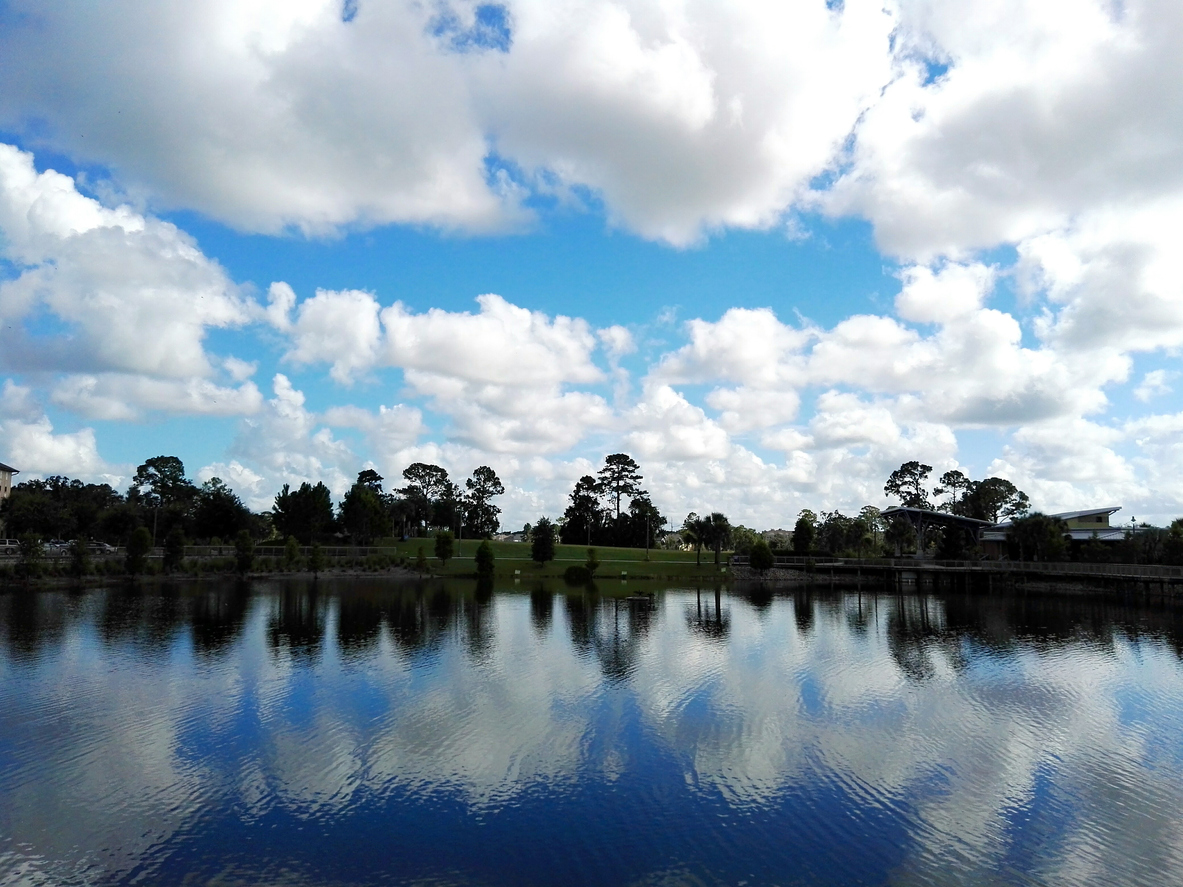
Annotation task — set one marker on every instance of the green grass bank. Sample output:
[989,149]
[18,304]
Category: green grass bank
[512,559]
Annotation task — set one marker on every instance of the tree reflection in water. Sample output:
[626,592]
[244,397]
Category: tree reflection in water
[618,642]
[542,608]
[218,616]
[803,610]
[913,634]
[478,620]
[297,624]
[418,622]
[417,616]
[710,621]
[609,628]
[581,619]
[31,621]
[828,715]
[359,621]
[860,613]
[145,618]
[759,596]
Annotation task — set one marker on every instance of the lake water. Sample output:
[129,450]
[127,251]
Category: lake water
[366,732]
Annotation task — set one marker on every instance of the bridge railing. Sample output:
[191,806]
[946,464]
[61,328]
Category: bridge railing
[810,564]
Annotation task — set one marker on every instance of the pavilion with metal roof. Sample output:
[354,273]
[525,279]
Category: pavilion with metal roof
[923,518]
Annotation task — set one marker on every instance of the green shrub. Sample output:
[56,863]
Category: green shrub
[291,553]
[593,562]
[79,557]
[316,559]
[761,557]
[174,549]
[138,548]
[244,552]
[443,545]
[542,546]
[577,574]
[32,556]
[484,559]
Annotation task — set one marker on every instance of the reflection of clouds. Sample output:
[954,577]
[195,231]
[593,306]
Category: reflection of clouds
[702,694]
[516,722]
[989,749]
[967,749]
[90,774]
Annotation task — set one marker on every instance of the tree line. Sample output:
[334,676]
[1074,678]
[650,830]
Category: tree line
[611,508]
[870,534]
[1031,535]
[164,501]
[993,499]
[428,501]
[160,498]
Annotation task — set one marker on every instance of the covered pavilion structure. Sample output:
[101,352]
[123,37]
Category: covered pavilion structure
[922,518]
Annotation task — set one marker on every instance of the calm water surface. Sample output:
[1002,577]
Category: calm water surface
[373,733]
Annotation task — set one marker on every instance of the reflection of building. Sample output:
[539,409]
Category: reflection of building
[1082,527]
[6,473]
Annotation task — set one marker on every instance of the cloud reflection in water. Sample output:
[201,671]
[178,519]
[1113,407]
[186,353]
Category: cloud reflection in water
[346,732]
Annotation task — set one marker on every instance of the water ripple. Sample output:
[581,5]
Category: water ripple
[345,734]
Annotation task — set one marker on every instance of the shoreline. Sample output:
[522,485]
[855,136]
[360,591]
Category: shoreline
[738,579]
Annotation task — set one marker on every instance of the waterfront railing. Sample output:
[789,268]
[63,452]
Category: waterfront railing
[1059,568]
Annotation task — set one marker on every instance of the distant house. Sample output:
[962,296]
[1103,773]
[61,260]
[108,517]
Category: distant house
[6,473]
[1083,526]
[778,538]
[674,542]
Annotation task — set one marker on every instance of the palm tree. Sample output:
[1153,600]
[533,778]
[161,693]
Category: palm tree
[696,531]
[718,532]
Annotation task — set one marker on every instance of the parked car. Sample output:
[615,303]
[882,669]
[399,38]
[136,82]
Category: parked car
[100,548]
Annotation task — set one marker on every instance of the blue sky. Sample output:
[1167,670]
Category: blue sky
[772,253]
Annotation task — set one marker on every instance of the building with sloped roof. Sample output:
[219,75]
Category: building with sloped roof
[1082,526]
[6,473]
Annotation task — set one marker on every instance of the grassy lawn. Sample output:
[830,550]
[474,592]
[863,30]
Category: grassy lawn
[513,558]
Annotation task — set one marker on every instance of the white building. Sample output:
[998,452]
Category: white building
[6,473]
[1080,526]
